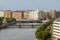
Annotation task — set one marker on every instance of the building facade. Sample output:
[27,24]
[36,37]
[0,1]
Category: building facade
[17,15]
[30,14]
[26,14]
[1,13]
[34,15]
[56,30]
[57,14]
[51,14]
[8,14]
[42,15]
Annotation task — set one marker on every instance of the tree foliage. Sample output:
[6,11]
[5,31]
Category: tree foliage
[43,34]
[9,20]
[1,19]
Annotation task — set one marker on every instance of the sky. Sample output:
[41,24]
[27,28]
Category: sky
[29,4]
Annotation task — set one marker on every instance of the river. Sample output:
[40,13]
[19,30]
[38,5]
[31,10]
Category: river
[17,34]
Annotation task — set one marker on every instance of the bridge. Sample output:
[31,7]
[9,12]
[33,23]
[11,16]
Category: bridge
[24,23]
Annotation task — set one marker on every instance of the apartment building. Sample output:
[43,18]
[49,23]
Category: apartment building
[47,15]
[30,14]
[56,30]
[7,13]
[37,15]
[42,15]
[50,14]
[17,15]
[26,14]
[1,13]
[34,15]
[57,14]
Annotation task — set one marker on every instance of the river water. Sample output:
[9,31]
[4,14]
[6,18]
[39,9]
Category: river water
[17,34]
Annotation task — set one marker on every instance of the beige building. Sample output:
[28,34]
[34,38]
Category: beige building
[26,14]
[7,13]
[30,14]
[17,15]
[51,14]
[1,13]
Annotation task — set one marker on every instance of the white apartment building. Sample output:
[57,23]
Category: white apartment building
[1,13]
[33,15]
[56,29]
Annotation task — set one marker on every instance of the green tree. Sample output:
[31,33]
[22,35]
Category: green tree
[1,19]
[43,34]
[9,20]
[1,23]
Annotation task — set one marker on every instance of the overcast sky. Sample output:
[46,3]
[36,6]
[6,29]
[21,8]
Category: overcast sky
[29,4]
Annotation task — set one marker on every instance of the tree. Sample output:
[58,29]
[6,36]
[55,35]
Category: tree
[9,20]
[43,34]
[1,23]
[1,19]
